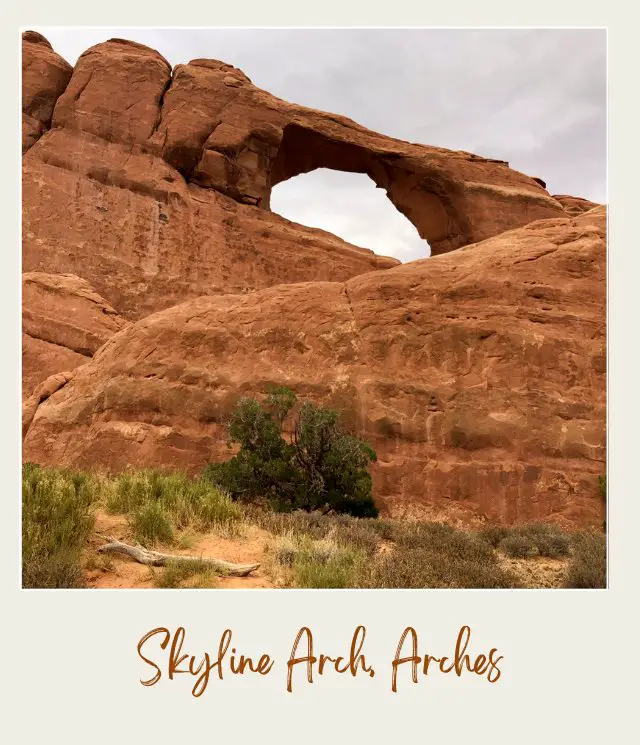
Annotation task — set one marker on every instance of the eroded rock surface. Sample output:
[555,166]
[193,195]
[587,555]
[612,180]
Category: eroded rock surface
[154,185]
[478,376]
[575,205]
[45,75]
[64,321]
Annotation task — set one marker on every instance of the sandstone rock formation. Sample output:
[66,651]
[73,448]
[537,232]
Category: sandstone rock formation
[155,186]
[45,75]
[64,321]
[478,376]
[575,205]
[31,400]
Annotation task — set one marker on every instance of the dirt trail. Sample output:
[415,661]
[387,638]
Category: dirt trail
[116,571]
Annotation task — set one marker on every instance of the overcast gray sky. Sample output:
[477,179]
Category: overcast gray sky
[536,98]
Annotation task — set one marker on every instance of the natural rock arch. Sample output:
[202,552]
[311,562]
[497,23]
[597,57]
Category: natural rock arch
[303,150]
[155,156]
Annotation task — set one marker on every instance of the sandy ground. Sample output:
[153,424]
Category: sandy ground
[114,571]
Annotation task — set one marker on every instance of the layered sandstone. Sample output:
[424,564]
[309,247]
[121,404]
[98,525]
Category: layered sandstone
[575,205]
[64,322]
[478,376]
[154,184]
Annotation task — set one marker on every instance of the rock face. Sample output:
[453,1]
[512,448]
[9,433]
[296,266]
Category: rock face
[64,321]
[155,186]
[160,288]
[44,77]
[575,205]
[478,376]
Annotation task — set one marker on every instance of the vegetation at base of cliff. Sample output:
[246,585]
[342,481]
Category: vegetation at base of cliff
[588,565]
[537,539]
[159,505]
[320,468]
[57,519]
[301,548]
[345,552]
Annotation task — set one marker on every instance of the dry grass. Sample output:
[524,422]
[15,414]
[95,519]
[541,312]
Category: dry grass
[161,504]
[588,566]
[315,563]
[323,551]
[537,539]
[57,519]
[436,556]
[305,549]
[186,574]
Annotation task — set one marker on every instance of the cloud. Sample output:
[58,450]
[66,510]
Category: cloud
[536,98]
[349,205]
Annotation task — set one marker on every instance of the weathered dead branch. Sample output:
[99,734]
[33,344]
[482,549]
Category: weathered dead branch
[157,559]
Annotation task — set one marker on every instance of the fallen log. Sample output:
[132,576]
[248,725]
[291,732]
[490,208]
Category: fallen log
[157,559]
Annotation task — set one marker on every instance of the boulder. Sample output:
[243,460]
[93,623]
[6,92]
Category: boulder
[575,205]
[64,322]
[45,76]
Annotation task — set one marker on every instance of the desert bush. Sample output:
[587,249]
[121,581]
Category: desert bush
[517,546]
[602,486]
[588,566]
[364,534]
[321,468]
[550,540]
[151,524]
[318,564]
[536,539]
[285,548]
[334,574]
[57,518]
[177,573]
[159,503]
[493,534]
[435,555]
[416,555]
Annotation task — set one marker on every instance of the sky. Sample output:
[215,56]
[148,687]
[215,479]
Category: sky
[535,98]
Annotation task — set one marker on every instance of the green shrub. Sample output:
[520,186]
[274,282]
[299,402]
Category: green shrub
[57,519]
[334,574]
[602,486]
[322,468]
[550,541]
[175,573]
[588,566]
[160,503]
[152,524]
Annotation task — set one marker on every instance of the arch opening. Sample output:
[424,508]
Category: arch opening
[419,192]
[348,204]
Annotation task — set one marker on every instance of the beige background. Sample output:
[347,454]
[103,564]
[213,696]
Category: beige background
[70,668]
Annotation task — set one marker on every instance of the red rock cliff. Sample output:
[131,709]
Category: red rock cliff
[478,375]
